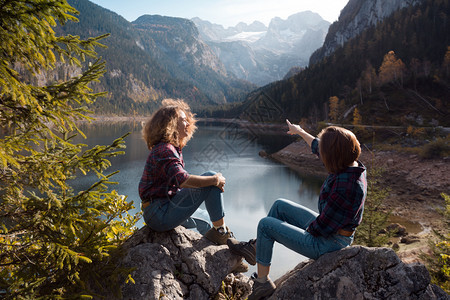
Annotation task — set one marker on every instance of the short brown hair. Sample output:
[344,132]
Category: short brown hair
[162,125]
[338,148]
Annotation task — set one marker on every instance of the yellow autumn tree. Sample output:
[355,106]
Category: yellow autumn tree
[334,109]
[357,118]
[392,69]
[446,63]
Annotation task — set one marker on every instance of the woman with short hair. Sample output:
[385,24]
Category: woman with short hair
[341,205]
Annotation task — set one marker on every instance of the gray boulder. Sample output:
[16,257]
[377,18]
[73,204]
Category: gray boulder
[358,273]
[182,264]
[178,264]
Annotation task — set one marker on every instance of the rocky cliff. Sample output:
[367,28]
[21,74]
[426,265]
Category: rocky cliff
[179,39]
[357,16]
[181,264]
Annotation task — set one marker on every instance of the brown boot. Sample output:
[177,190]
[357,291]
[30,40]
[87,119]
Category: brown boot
[219,237]
[262,290]
[245,249]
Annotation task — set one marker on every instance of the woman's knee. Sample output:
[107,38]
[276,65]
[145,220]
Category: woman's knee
[263,224]
[277,206]
[209,173]
[282,202]
[214,188]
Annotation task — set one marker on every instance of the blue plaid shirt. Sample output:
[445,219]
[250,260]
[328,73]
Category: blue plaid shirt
[341,200]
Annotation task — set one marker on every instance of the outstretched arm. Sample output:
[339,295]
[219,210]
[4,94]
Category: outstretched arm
[196,181]
[296,129]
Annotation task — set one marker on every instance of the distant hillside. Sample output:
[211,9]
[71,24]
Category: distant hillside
[263,54]
[357,16]
[409,87]
[153,58]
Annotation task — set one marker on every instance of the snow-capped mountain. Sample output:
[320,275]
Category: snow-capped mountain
[263,54]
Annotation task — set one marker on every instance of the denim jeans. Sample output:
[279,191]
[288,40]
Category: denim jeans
[286,223]
[164,214]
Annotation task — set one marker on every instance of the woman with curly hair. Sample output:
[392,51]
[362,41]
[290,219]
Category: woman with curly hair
[169,194]
[341,205]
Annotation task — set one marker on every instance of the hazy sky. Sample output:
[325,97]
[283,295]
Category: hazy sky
[224,12]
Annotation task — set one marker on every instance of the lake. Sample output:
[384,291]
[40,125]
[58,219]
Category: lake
[253,183]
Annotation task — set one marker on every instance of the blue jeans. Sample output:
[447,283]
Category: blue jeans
[286,223]
[164,214]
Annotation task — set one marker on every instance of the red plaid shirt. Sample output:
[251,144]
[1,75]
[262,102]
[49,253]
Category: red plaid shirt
[163,173]
[341,199]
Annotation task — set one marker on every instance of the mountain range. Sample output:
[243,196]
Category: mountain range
[263,54]
[151,59]
[214,68]
[156,56]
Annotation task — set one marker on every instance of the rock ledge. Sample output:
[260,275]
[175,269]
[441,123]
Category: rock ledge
[182,264]
[358,273]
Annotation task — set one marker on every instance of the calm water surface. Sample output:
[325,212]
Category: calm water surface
[253,183]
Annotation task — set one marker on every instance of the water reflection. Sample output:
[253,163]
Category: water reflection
[253,182]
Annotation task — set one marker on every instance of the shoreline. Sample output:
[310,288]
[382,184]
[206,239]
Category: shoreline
[415,186]
[240,122]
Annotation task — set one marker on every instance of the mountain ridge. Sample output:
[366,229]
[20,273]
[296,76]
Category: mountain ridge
[263,56]
[355,17]
[140,73]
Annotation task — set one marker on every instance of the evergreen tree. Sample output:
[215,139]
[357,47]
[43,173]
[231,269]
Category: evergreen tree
[438,261]
[375,218]
[50,234]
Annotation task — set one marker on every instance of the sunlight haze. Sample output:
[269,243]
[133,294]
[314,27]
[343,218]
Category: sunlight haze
[224,12]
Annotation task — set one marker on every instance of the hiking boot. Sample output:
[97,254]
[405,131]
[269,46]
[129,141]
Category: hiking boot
[262,290]
[240,267]
[219,236]
[245,249]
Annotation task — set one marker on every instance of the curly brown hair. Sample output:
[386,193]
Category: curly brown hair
[162,125]
[338,148]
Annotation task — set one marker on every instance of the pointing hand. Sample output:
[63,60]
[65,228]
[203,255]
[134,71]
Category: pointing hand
[293,128]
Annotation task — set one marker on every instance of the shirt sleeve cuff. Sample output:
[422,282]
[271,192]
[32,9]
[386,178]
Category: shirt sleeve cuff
[182,177]
[315,146]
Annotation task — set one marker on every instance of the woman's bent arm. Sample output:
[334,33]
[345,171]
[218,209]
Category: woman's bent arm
[196,181]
